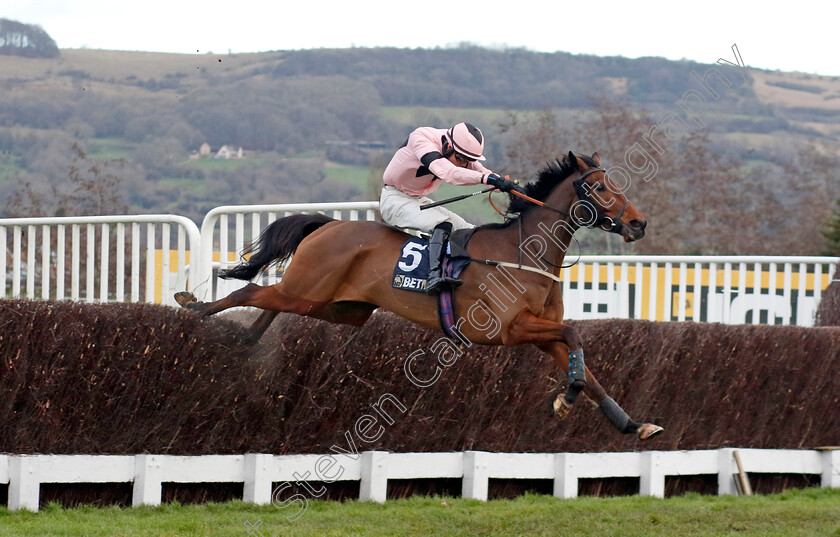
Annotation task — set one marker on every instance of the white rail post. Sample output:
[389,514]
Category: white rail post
[476,481]
[726,472]
[565,476]
[148,481]
[24,483]
[830,468]
[652,480]
[257,487]
[374,483]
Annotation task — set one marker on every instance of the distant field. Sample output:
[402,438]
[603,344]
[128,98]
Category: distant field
[476,209]
[358,176]
[109,148]
[121,65]
[225,165]
[810,512]
[8,168]
[797,89]
[441,116]
[188,185]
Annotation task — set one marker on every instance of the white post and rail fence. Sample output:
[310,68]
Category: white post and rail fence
[261,473]
[147,258]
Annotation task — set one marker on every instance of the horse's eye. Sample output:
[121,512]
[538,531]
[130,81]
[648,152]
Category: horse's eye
[601,188]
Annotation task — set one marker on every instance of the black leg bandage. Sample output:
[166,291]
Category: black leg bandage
[577,375]
[617,416]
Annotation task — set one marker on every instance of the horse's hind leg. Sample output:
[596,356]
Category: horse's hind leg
[255,296]
[237,298]
[260,325]
[272,302]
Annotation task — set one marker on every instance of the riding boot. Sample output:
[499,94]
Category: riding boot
[436,282]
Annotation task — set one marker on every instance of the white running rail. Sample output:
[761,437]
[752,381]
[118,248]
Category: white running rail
[137,258]
[725,289]
[258,472]
[226,230]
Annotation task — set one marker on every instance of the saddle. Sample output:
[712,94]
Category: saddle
[412,271]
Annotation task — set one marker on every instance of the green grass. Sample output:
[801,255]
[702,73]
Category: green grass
[183,184]
[357,176]
[483,118]
[476,209]
[809,512]
[8,168]
[441,116]
[218,164]
[109,148]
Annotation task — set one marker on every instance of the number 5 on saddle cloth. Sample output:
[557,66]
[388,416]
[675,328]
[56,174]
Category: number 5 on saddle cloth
[412,271]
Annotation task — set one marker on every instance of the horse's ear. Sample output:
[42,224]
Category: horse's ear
[577,162]
[596,158]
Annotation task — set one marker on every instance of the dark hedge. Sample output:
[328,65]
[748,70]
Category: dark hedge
[125,379]
[828,313]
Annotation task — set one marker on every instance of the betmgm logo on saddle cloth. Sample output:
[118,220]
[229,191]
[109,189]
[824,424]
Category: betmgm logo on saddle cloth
[412,268]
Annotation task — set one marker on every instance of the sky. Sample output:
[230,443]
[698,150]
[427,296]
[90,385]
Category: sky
[797,36]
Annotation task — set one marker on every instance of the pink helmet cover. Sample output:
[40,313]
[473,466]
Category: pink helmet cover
[467,140]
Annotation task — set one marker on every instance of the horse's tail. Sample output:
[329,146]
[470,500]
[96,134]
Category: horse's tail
[276,244]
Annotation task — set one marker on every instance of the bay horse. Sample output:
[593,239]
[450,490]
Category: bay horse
[341,271]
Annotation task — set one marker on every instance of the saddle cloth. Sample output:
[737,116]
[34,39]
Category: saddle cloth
[412,271]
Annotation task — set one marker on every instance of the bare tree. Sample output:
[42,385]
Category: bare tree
[91,188]
[698,200]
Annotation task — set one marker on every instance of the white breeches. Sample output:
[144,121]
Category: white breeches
[403,210]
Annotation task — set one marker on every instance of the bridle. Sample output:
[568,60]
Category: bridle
[615,225]
[599,218]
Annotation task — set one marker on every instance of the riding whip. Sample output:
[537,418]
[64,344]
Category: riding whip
[457,198]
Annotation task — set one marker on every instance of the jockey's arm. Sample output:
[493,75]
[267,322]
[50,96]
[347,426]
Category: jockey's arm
[451,173]
[428,152]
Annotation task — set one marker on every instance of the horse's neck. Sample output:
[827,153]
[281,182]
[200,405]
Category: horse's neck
[557,229]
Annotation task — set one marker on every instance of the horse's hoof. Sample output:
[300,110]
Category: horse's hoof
[648,430]
[561,407]
[185,298]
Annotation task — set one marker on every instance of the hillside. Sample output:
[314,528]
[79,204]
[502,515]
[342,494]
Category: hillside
[299,115]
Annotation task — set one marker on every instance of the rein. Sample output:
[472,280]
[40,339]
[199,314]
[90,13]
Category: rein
[561,266]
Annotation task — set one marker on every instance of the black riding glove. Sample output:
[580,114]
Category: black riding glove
[505,185]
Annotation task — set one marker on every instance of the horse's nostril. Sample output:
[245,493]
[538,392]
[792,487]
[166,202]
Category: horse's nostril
[638,224]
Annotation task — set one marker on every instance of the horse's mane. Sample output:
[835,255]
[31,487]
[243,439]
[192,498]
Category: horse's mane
[548,178]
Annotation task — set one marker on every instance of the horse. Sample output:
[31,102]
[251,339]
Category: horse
[341,271]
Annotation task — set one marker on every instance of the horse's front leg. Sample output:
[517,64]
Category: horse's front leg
[565,346]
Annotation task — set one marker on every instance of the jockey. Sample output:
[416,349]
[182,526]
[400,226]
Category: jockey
[427,158]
